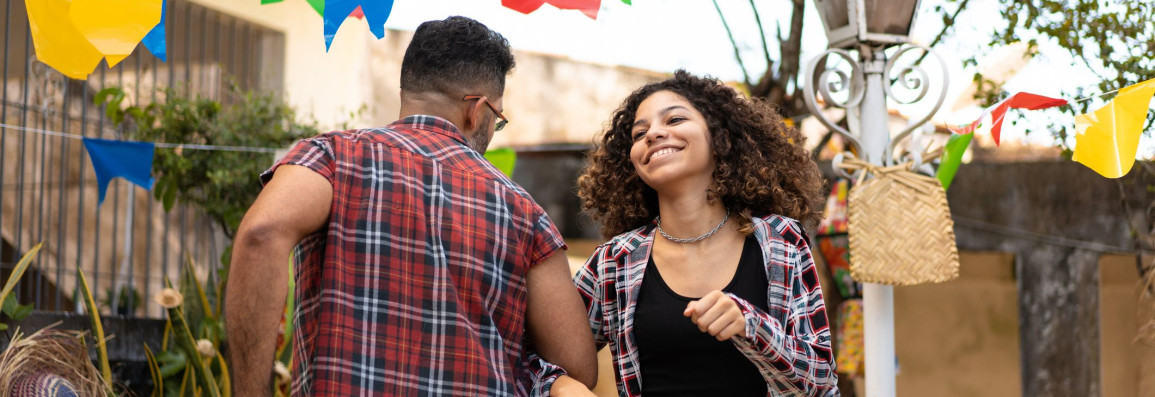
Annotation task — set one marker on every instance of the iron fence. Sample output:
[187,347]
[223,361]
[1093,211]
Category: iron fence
[49,190]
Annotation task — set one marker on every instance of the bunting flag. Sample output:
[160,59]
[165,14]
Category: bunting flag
[588,7]
[126,159]
[1106,140]
[376,12]
[58,42]
[504,159]
[318,6]
[115,27]
[952,158]
[155,41]
[1022,100]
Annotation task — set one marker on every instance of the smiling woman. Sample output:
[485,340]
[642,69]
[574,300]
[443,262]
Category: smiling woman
[726,288]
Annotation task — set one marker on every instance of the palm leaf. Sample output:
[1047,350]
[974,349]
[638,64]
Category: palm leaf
[97,327]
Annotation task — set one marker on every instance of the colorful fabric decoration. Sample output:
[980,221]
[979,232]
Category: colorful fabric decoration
[588,7]
[115,27]
[155,40]
[952,158]
[836,253]
[1106,140]
[834,215]
[59,43]
[126,159]
[850,339]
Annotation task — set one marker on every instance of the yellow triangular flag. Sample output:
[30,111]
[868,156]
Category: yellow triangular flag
[58,42]
[1106,140]
[115,27]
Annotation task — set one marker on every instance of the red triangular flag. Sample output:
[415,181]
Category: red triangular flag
[1022,100]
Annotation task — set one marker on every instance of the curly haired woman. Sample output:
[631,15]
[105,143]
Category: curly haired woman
[706,285]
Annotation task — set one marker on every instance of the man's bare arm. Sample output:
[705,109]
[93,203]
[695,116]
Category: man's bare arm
[557,322]
[293,205]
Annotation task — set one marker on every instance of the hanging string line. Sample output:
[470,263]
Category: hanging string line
[1093,96]
[797,119]
[1047,238]
[158,144]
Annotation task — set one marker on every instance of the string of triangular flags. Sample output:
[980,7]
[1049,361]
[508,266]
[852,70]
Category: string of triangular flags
[1106,139]
[132,160]
[73,36]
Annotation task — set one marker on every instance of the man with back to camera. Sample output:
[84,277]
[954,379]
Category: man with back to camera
[420,268]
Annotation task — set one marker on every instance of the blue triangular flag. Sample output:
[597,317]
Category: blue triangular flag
[336,11]
[155,41]
[126,159]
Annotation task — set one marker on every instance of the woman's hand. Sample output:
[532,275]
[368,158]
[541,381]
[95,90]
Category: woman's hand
[717,315]
[566,386]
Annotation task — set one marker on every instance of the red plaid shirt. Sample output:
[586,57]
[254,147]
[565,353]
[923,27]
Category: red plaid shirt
[417,285]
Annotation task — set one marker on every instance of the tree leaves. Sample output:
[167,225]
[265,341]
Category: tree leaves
[1112,39]
[223,184]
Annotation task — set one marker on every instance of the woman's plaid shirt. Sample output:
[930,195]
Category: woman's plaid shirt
[417,286]
[790,345]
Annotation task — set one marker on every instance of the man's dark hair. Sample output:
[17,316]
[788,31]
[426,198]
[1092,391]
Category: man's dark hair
[453,54]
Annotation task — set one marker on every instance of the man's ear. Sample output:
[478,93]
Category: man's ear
[473,115]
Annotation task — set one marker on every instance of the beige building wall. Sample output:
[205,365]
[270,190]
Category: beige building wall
[961,338]
[548,99]
[1128,364]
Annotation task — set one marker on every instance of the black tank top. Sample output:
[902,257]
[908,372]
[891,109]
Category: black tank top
[679,360]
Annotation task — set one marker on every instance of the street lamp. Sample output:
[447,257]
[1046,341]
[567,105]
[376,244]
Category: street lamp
[870,36]
[850,22]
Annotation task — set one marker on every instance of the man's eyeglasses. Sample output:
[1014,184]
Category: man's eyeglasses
[500,124]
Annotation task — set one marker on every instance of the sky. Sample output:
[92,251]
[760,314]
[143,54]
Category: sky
[664,35]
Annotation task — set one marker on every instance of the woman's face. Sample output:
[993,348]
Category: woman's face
[671,143]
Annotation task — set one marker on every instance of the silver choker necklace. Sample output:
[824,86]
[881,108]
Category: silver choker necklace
[695,239]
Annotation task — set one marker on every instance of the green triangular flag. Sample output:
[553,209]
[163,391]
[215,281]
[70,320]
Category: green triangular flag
[503,159]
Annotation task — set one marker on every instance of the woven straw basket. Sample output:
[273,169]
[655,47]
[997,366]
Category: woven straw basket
[900,229]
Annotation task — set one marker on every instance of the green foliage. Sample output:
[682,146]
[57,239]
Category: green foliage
[1113,39]
[223,184]
[10,306]
[129,298]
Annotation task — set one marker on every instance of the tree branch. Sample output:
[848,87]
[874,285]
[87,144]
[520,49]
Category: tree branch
[737,54]
[762,33]
[947,24]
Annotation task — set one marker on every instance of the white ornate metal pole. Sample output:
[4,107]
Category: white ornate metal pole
[866,88]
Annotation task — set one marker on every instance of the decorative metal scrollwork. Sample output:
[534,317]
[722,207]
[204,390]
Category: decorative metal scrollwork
[853,84]
[912,78]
